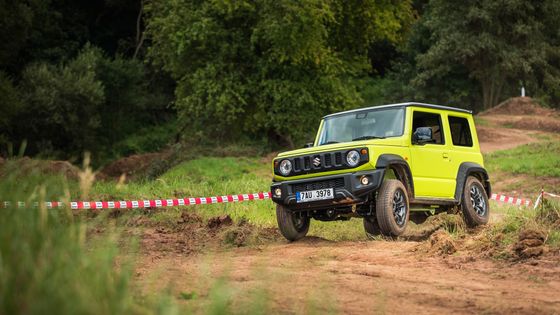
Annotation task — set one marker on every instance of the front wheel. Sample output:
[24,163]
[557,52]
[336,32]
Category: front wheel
[392,208]
[293,225]
[474,204]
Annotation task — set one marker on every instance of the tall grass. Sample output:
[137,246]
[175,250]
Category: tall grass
[49,262]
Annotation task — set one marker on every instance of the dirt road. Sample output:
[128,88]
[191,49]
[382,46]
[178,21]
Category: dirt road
[372,277]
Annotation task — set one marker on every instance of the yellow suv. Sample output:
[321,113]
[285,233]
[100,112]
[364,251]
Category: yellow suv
[386,164]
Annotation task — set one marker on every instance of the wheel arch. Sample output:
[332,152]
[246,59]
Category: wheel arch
[401,169]
[467,169]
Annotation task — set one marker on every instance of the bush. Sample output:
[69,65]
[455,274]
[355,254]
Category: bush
[62,104]
[10,105]
[87,104]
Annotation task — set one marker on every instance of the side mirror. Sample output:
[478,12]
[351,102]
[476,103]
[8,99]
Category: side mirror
[422,135]
[308,145]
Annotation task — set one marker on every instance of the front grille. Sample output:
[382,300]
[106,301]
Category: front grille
[321,162]
[328,160]
[338,158]
[331,183]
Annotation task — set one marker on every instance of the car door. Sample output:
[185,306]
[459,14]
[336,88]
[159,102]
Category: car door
[431,166]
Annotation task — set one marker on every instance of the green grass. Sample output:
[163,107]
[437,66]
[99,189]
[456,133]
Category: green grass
[210,176]
[49,265]
[535,159]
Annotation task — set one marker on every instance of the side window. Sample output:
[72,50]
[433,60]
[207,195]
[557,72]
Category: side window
[423,119]
[460,131]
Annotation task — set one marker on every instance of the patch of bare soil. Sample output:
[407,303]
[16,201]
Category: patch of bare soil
[192,234]
[520,106]
[498,138]
[517,121]
[132,166]
[361,277]
[26,166]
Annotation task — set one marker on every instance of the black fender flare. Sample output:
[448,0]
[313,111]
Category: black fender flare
[401,167]
[465,170]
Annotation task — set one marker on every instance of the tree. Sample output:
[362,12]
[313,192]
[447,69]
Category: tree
[499,43]
[266,67]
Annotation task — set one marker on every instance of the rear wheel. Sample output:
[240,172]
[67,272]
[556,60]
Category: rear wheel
[371,227]
[475,205]
[392,208]
[293,225]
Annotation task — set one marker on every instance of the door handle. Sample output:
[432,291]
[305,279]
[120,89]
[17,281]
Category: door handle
[445,155]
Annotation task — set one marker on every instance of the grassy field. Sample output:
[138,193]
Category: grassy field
[535,159]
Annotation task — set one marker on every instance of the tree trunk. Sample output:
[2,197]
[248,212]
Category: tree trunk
[491,91]
[139,32]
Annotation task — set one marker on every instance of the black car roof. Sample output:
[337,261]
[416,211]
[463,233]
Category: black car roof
[401,105]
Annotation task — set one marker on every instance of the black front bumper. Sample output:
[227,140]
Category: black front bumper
[348,190]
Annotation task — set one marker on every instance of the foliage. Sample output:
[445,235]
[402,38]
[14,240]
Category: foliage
[10,105]
[61,103]
[150,139]
[88,103]
[499,44]
[266,67]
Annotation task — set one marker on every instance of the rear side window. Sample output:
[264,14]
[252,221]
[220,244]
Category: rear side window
[460,131]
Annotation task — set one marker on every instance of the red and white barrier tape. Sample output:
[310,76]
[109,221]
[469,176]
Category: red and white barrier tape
[157,203]
[512,200]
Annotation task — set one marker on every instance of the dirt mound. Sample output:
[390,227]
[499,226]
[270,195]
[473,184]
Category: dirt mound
[26,166]
[442,244]
[218,222]
[189,217]
[530,243]
[433,224]
[132,166]
[192,234]
[519,106]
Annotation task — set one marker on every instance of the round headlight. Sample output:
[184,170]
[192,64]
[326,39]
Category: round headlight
[285,167]
[353,158]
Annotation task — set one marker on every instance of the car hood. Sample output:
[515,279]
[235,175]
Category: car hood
[340,146]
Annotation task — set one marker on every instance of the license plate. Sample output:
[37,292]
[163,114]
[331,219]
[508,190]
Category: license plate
[312,195]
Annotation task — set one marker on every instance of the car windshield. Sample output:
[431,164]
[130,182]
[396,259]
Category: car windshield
[363,125]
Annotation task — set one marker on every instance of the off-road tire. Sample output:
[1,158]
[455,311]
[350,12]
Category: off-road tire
[292,225]
[474,205]
[391,198]
[371,227]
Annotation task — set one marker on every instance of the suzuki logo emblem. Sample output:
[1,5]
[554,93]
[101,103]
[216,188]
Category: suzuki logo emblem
[317,161]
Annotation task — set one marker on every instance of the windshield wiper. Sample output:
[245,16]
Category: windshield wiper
[329,142]
[367,137]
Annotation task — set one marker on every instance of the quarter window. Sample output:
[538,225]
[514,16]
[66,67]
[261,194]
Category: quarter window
[460,131]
